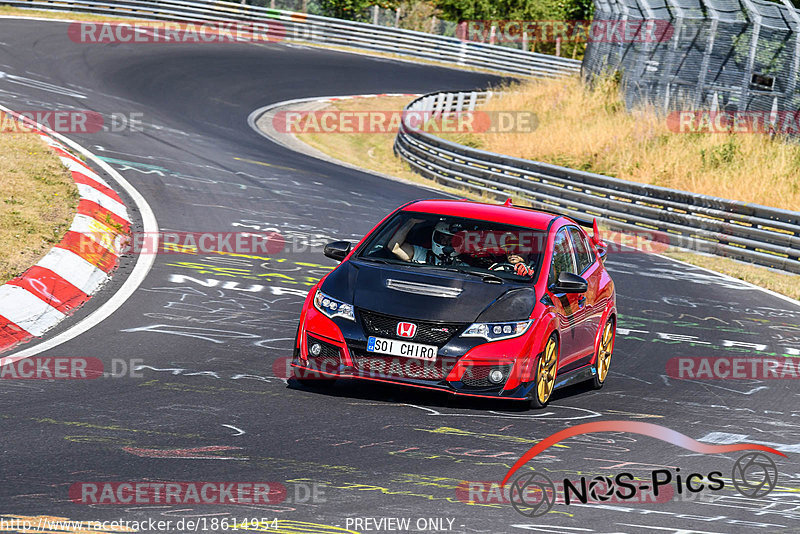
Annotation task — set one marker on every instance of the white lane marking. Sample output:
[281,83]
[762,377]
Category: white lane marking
[143,263]
[255,115]
[27,311]
[74,269]
[790,300]
[583,413]
[727,438]
[42,86]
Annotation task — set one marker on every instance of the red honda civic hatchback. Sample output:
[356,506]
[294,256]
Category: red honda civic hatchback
[469,298]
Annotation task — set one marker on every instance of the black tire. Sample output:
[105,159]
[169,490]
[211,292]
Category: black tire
[546,369]
[605,351]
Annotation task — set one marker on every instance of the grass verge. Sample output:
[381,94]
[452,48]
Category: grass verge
[38,200]
[591,130]
[374,152]
[57,15]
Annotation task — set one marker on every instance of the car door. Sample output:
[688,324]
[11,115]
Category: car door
[566,304]
[590,309]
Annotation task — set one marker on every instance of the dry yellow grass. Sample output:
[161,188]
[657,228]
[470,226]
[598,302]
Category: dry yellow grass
[380,157]
[373,151]
[592,131]
[58,15]
[38,200]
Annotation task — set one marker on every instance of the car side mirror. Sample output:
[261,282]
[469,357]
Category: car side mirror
[570,283]
[602,252]
[337,250]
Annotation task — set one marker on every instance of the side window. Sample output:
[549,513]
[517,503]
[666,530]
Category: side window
[563,260]
[583,252]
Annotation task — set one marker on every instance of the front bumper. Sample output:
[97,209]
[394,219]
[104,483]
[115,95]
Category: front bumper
[462,366]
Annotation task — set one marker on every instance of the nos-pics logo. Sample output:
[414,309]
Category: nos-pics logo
[533,494]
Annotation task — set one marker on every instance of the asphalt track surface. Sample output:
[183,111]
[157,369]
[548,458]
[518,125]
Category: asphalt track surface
[208,349]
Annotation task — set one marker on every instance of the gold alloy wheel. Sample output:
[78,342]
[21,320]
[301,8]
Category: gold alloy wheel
[546,377]
[606,348]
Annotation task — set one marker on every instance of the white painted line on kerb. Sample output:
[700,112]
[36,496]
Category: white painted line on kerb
[143,263]
[74,269]
[73,165]
[101,199]
[27,311]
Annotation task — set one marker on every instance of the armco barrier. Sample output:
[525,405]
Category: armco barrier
[758,234]
[300,27]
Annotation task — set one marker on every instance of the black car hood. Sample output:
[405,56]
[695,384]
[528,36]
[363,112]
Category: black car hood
[368,287]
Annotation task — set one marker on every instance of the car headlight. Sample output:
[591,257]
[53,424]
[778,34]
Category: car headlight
[332,307]
[497,331]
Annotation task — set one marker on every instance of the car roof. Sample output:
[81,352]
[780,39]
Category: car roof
[498,213]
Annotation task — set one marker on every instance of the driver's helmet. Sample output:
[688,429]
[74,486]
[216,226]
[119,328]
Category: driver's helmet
[442,239]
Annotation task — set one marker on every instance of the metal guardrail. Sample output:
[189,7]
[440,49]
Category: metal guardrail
[758,234]
[300,27]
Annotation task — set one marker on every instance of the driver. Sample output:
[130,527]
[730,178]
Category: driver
[442,250]
[515,261]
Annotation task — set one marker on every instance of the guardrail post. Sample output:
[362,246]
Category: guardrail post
[472,99]
[448,102]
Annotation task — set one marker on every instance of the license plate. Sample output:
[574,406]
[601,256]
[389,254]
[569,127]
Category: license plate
[406,349]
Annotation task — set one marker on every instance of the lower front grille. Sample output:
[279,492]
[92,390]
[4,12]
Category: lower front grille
[394,367]
[328,358]
[477,376]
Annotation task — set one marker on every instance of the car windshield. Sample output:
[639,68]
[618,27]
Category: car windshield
[455,243]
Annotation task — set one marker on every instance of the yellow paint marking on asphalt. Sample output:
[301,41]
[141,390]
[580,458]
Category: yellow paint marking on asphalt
[265,164]
[467,433]
[47,524]
[633,415]
[294,527]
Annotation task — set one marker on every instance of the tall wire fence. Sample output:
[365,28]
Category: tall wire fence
[730,56]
